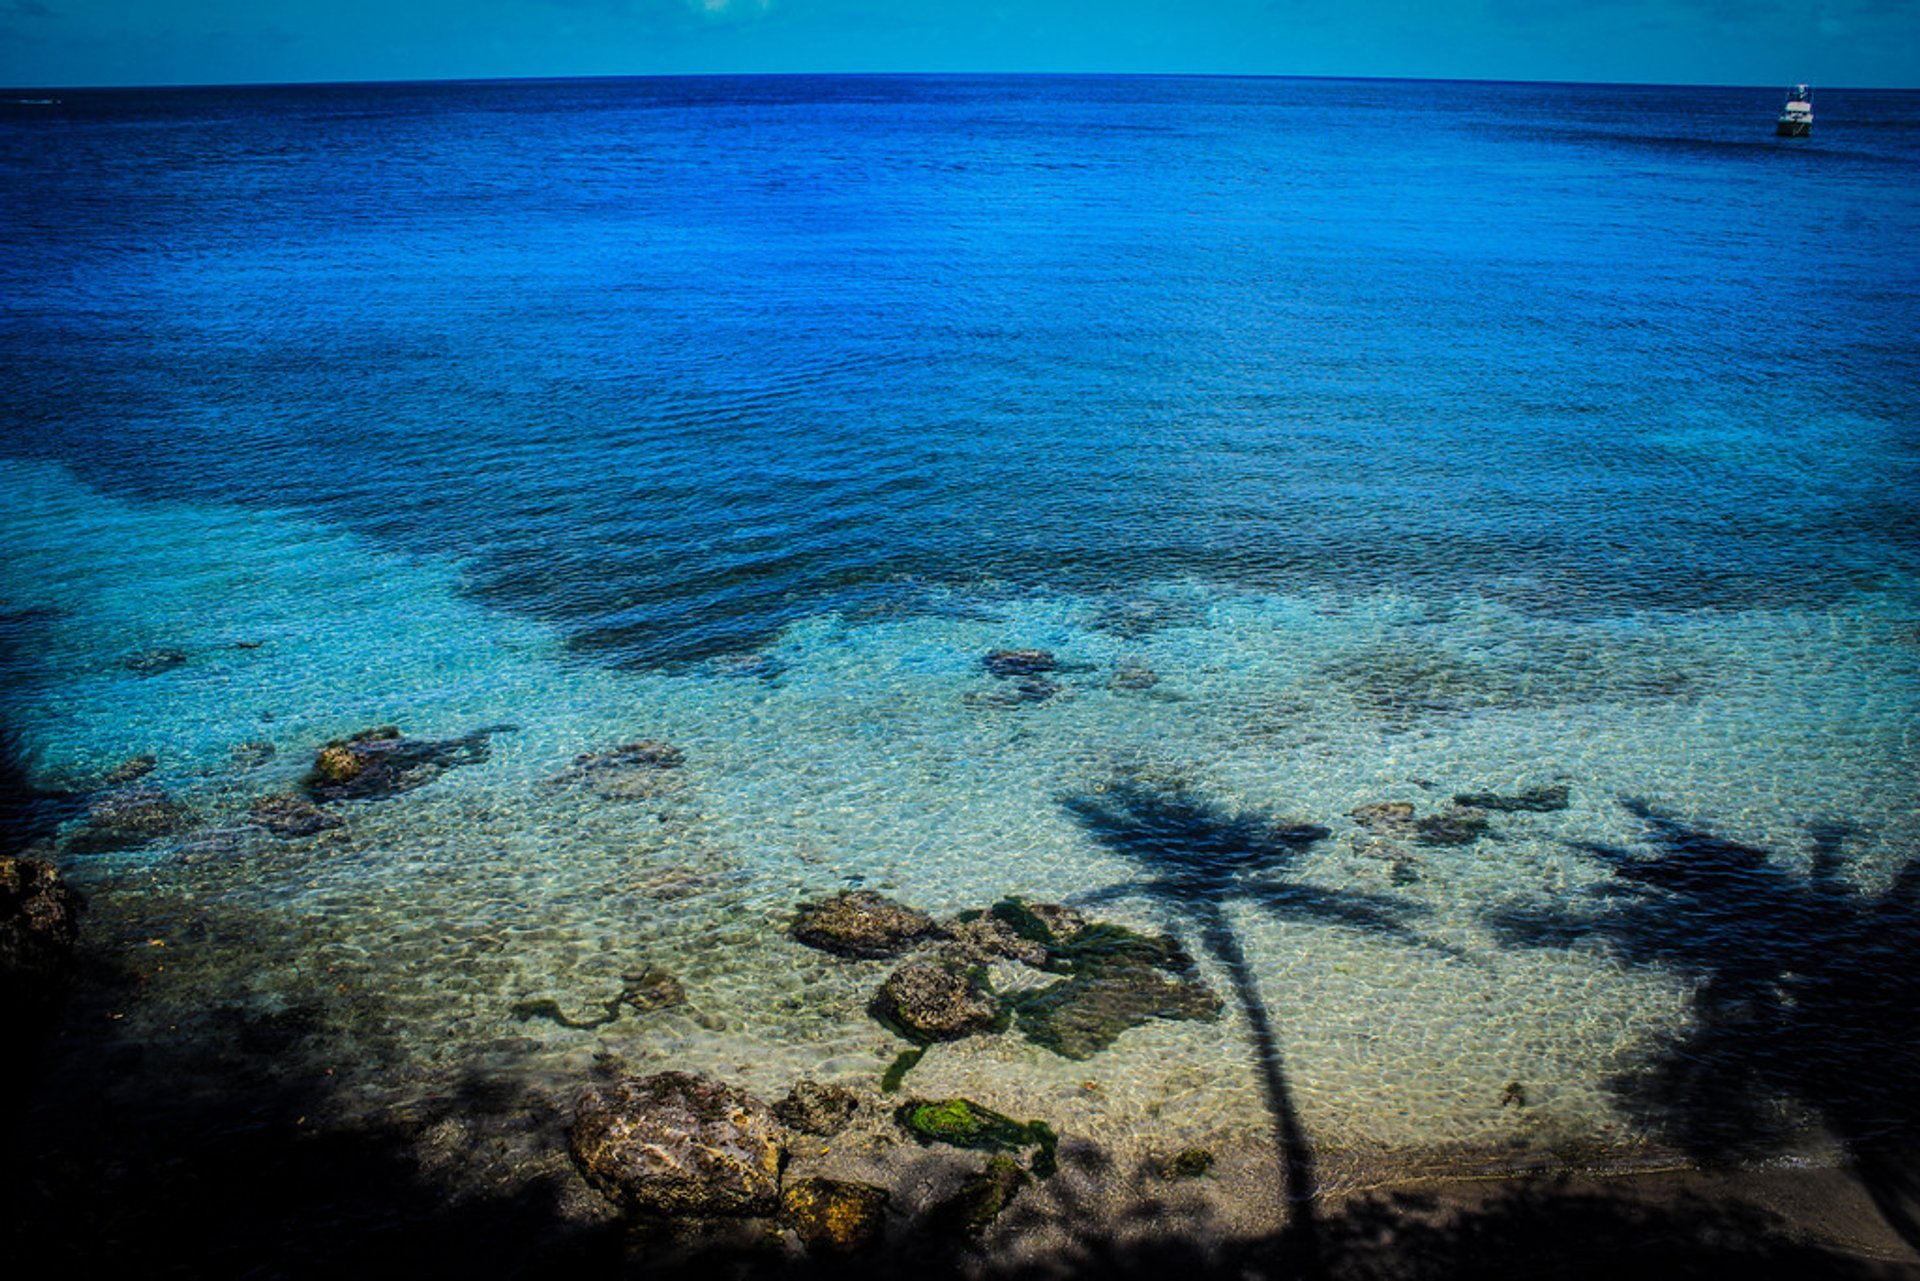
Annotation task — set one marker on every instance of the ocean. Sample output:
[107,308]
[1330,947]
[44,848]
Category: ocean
[1342,444]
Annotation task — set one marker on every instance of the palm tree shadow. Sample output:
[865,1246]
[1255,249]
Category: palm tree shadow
[1805,998]
[1201,857]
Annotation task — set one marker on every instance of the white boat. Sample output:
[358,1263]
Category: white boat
[1796,118]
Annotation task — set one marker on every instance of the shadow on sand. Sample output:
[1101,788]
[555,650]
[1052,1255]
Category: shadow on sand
[1807,999]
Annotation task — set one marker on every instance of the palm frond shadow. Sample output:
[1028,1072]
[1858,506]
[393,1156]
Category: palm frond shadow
[1806,996]
[1198,858]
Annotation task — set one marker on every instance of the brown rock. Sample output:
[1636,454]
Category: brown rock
[1390,818]
[39,921]
[832,1214]
[812,1108]
[927,1002]
[861,923]
[679,1143]
[291,816]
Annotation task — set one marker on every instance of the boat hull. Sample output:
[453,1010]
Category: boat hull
[1794,128]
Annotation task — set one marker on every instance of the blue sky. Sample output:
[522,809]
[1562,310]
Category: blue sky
[1764,42]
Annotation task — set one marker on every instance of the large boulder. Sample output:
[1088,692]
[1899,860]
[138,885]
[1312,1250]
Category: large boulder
[813,1108]
[680,1143]
[861,923]
[378,763]
[39,921]
[928,1002]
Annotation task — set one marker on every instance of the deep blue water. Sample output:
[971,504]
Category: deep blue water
[679,361]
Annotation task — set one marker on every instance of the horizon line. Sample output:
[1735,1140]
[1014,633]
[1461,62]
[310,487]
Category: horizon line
[920,75]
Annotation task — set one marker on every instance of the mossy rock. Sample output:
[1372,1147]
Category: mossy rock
[1084,1015]
[963,1123]
[833,1215]
[1534,800]
[925,1002]
[861,923]
[1188,1163]
[1451,827]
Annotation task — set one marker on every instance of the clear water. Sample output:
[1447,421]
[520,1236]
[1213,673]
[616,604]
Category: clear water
[1421,439]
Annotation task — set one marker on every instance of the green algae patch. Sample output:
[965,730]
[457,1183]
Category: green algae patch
[966,1124]
[1116,978]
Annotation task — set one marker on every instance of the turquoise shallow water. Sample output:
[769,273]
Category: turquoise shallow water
[752,415]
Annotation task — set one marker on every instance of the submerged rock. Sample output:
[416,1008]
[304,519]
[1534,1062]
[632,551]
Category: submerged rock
[291,816]
[834,1215]
[1118,979]
[651,988]
[1134,676]
[679,1143]
[151,662]
[1537,800]
[812,1108]
[1084,1015]
[378,763]
[134,767]
[1389,818]
[861,923]
[1020,662]
[39,921]
[130,816]
[1188,1163]
[1451,827]
[927,1002]
[976,938]
[641,770]
[982,1198]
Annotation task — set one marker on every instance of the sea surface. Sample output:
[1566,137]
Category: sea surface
[1343,442]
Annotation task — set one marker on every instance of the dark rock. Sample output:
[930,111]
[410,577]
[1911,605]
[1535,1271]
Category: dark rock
[1189,1163]
[927,1002]
[1299,833]
[812,1108]
[1390,818]
[128,817]
[1536,800]
[134,767]
[1134,676]
[833,1215]
[378,763]
[1020,662]
[976,939]
[252,755]
[861,923]
[151,662]
[652,988]
[39,921]
[1036,689]
[649,753]
[1048,924]
[291,816]
[981,1198]
[678,1143]
[1451,827]
[966,1124]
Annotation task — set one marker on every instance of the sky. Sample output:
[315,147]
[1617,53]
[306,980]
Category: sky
[1734,42]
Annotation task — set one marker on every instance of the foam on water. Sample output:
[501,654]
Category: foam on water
[880,752]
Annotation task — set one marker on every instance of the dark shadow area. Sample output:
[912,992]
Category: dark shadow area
[1808,997]
[1199,858]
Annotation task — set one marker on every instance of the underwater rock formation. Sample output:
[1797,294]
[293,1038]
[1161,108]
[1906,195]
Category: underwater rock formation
[377,763]
[634,771]
[812,1108]
[679,1143]
[833,1215]
[291,816]
[1020,662]
[928,1002]
[134,767]
[1388,818]
[976,938]
[861,923]
[1451,827]
[128,817]
[252,754]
